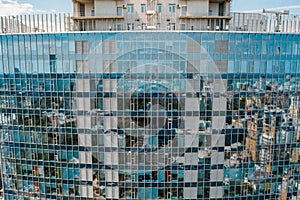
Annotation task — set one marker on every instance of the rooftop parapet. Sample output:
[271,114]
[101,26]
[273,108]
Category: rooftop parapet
[37,23]
[62,22]
[264,22]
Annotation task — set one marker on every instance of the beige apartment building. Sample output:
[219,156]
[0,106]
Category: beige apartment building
[151,15]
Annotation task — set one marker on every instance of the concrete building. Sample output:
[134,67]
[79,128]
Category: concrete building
[93,15]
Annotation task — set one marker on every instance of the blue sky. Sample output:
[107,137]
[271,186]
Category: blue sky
[257,5]
[16,7]
[59,5]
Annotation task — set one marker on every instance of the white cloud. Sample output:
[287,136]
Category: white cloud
[13,7]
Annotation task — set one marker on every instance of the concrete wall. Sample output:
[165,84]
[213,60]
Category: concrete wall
[214,7]
[105,8]
[88,8]
[197,8]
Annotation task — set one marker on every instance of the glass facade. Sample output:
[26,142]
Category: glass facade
[150,115]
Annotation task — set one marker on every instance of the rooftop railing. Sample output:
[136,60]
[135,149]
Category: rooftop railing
[50,23]
[256,22]
[59,22]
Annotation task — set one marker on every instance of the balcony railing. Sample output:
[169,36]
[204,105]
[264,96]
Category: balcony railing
[58,22]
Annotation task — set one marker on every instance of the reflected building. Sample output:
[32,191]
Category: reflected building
[150,115]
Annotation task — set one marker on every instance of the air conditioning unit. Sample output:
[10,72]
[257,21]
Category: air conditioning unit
[151,27]
[150,12]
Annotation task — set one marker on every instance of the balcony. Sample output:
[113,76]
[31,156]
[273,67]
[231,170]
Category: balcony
[60,22]
[205,17]
[219,1]
[90,15]
[97,17]
[84,1]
